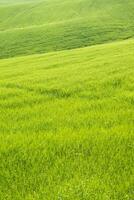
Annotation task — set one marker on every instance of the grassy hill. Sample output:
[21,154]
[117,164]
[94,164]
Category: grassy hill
[49,25]
[66,99]
[66,124]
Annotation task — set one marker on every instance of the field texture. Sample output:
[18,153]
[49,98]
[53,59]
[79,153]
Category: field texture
[67,123]
[66,100]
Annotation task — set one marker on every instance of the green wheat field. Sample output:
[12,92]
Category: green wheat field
[66,100]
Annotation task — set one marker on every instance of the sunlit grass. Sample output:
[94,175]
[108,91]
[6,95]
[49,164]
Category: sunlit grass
[67,123]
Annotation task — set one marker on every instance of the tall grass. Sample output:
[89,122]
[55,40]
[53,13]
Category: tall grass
[66,124]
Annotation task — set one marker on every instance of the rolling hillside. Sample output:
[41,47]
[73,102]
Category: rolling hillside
[66,123]
[66,99]
[49,25]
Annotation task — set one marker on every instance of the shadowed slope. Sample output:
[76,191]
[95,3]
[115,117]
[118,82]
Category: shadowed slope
[57,25]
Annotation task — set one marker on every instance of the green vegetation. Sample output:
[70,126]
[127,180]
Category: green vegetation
[44,26]
[66,99]
[66,123]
